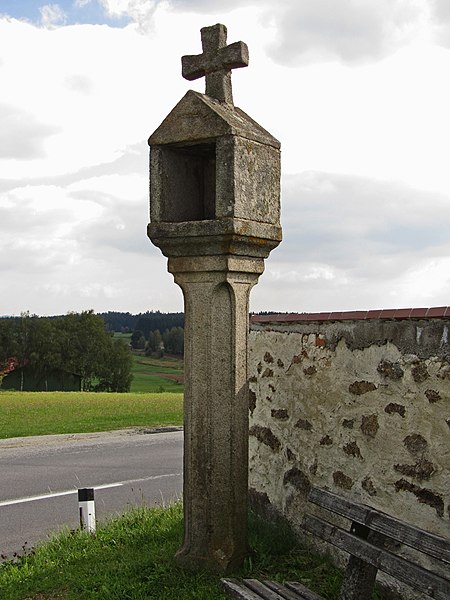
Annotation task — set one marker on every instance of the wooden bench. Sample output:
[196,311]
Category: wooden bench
[370,542]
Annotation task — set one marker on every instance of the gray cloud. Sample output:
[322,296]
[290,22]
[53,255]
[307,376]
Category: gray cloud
[355,243]
[21,135]
[339,219]
[353,32]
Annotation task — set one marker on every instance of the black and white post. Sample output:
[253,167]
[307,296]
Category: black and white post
[86,506]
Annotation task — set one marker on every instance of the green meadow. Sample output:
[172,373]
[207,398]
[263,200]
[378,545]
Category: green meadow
[40,413]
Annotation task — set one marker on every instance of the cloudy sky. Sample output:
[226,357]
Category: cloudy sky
[357,91]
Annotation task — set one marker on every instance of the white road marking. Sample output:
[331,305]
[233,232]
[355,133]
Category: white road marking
[75,490]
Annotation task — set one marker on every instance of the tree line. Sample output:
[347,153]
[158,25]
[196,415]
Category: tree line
[77,343]
[143,322]
[157,343]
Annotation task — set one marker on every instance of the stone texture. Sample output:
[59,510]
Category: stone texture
[369,425]
[401,435]
[390,370]
[358,388]
[393,407]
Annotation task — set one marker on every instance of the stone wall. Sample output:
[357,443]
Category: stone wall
[358,403]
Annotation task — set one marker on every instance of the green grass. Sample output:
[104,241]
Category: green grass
[39,413]
[157,374]
[132,557]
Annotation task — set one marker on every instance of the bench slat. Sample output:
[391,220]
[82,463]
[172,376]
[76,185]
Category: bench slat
[238,591]
[262,589]
[299,593]
[429,543]
[413,575]
[303,591]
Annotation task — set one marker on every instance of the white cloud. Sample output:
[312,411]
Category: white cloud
[52,15]
[366,185]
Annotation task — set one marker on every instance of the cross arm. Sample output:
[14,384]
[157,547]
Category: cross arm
[233,56]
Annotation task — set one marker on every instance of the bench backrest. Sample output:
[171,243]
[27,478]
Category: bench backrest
[369,537]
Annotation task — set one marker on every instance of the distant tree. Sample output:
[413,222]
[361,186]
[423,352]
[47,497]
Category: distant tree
[76,343]
[137,340]
[116,374]
[174,340]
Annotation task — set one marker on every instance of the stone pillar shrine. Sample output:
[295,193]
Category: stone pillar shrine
[215,214]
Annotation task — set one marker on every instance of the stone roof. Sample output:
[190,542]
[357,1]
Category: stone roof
[198,117]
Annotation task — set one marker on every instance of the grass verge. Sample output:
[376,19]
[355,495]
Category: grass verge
[40,413]
[132,557]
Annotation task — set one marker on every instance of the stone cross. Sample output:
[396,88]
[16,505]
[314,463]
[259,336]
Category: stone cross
[216,62]
[215,214]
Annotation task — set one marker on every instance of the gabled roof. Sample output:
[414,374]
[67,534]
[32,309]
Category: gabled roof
[199,117]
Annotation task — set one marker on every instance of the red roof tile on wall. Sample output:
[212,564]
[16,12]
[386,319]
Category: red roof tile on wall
[440,312]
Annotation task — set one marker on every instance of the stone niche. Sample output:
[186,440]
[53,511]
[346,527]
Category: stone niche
[189,175]
[214,172]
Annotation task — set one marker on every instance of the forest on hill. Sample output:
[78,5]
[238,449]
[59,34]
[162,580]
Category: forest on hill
[126,322]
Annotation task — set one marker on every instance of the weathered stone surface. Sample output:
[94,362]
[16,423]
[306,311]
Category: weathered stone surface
[392,408]
[326,441]
[420,373]
[352,449]
[279,413]
[390,370]
[251,401]
[342,480]
[400,407]
[304,424]
[358,388]
[368,486]
[266,436]
[309,371]
[268,358]
[421,470]
[423,495]
[369,425]
[415,443]
[432,396]
[267,372]
[298,480]
[290,455]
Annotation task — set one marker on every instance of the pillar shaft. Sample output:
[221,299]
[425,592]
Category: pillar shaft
[216,294]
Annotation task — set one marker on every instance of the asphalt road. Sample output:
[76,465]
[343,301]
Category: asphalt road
[40,476]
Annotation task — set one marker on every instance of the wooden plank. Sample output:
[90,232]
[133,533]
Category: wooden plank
[303,591]
[360,576]
[288,594]
[261,589]
[416,577]
[238,591]
[429,543]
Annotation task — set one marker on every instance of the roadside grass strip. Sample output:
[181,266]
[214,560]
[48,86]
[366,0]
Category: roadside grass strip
[46,413]
[132,557]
